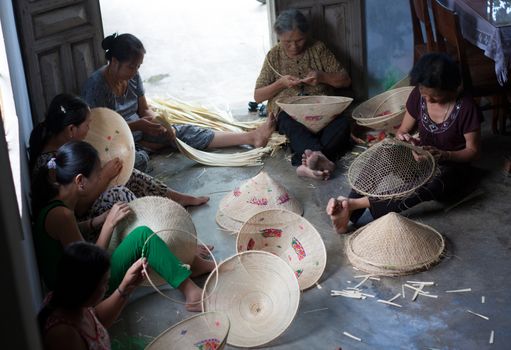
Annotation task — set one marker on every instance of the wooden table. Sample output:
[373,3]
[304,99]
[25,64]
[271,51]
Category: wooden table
[487,25]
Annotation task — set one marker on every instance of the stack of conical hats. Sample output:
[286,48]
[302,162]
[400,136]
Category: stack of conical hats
[394,245]
[254,196]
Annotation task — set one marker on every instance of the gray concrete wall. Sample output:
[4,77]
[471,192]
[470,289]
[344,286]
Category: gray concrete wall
[389,43]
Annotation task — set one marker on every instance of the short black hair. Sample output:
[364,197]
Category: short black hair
[436,71]
[290,20]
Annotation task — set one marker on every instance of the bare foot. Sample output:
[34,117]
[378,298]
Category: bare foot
[319,161]
[203,252]
[305,171]
[193,295]
[262,134]
[193,201]
[201,266]
[339,212]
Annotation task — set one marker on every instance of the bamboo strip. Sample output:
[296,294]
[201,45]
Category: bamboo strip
[459,290]
[479,315]
[351,336]
[388,303]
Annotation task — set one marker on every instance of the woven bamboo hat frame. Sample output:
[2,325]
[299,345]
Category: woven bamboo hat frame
[206,331]
[255,195]
[315,112]
[394,245]
[389,169]
[111,136]
[168,217]
[259,293]
[290,237]
[174,232]
[383,111]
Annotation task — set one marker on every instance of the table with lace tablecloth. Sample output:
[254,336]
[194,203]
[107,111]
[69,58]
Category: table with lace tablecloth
[487,25]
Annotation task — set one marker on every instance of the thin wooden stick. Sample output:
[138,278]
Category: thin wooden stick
[483,299]
[388,303]
[492,335]
[315,310]
[475,313]
[459,290]
[351,336]
[394,297]
[362,282]
[423,283]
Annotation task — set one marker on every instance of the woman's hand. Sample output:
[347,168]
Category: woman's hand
[112,168]
[313,78]
[438,154]
[118,212]
[134,276]
[149,127]
[288,81]
[406,137]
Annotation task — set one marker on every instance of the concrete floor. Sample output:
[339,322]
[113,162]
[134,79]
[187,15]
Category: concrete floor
[479,250]
[220,53]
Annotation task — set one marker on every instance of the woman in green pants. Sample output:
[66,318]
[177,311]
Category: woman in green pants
[76,170]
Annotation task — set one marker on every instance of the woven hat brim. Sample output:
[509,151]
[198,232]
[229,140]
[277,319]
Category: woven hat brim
[193,332]
[259,293]
[316,115]
[111,136]
[289,236]
[392,101]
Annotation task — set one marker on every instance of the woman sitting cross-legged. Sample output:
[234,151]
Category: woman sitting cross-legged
[299,65]
[77,171]
[75,315]
[449,125]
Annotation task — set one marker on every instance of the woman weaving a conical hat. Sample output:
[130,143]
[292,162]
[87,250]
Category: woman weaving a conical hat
[299,65]
[449,126]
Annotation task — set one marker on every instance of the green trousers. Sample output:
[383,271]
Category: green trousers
[158,255]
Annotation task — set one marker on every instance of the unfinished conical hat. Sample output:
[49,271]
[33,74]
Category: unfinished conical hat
[391,168]
[111,136]
[172,222]
[255,195]
[394,245]
[315,112]
[259,293]
[289,236]
[206,331]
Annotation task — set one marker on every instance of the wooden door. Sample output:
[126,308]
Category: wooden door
[339,24]
[61,45]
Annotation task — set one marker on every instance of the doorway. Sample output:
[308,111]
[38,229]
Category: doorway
[207,52]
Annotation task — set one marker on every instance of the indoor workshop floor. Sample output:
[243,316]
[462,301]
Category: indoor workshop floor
[478,257]
[478,232]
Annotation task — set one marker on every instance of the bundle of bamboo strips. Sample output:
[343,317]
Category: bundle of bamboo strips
[179,112]
[172,111]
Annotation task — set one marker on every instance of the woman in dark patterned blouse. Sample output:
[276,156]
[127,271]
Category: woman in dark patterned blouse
[299,65]
[449,126]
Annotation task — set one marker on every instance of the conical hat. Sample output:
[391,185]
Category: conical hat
[315,112]
[172,222]
[259,293]
[206,331]
[255,195]
[389,169]
[290,237]
[111,136]
[394,245]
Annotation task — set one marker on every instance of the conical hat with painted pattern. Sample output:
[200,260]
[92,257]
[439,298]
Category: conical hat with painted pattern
[255,195]
[290,237]
[207,331]
[111,136]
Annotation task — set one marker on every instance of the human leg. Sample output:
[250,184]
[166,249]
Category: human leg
[335,138]
[257,138]
[144,185]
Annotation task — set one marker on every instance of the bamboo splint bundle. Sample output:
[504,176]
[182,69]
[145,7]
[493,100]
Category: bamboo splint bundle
[178,112]
[247,158]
